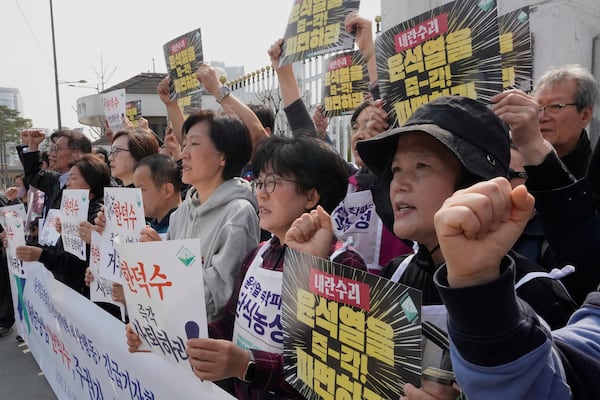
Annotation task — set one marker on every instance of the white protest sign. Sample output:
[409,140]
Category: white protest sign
[100,288]
[74,209]
[114,108]
[164,290]
[15,237]
[124,211]
[16,210]
[48,234]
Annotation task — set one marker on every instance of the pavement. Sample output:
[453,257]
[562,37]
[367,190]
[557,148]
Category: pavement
[20,376]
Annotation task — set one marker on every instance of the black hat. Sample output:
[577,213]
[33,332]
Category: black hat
[477,137]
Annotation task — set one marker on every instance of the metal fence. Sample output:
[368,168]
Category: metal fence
[262,87]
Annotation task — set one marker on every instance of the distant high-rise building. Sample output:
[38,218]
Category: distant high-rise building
[11,98]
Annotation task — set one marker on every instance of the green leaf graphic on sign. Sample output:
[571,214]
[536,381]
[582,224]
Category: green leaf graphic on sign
[186,256]
[409,309]
[485,5]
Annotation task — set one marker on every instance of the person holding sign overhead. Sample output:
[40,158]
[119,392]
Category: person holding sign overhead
[374,241]
[287,187]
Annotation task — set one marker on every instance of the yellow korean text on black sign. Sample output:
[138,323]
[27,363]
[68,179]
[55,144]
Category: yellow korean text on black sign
[449,50]
[345,83]
[183,56]
[317,27]
[347,333]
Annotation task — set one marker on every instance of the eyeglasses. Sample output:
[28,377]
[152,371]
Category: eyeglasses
[268,183]
[55,149]
[116,150]
[512,174]
[552,109]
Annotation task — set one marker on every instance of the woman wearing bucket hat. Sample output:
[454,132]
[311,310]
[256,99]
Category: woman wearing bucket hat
[448,144]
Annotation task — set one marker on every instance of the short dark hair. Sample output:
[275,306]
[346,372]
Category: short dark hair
[100,150]
[163,169]
[264,114]
[95,172]
[229,135]
[76,140]
[361,107]
[312,162]
[140,142]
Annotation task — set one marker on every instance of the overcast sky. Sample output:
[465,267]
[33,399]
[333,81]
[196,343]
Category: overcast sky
[128,36]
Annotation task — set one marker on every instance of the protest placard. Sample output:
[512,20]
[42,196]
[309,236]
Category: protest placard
[114,108]
[345,84]
[450,50]
[133,111]
[164,289]
[124,212]
[183,56]
[15,237]
[347,333]
[74,209]
[317,27]
[48,235]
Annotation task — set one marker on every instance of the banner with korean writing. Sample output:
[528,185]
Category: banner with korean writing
[15,237]
[347,333]
[124,212]
[515,48]
[48,234]
[317,27]
[16,210]
[450,50]
[164,290]
[345,83]
[82,350]
[114,108]
[133,111]
[183,56]
[74,209]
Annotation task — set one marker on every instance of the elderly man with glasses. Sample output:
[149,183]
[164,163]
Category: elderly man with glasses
[66,147]
[566,98]
[549,130]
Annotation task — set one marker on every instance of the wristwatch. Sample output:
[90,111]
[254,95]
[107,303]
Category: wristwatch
[248,376]
[224,91]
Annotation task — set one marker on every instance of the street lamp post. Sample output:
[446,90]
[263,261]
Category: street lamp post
[55,69]
[96,88]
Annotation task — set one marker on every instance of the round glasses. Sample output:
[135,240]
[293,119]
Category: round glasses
[268,183]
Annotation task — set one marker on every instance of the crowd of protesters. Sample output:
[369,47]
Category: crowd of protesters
[490,211]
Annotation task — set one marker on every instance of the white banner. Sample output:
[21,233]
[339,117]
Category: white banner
[82,349]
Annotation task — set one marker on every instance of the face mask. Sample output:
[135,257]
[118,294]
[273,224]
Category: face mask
[21,192]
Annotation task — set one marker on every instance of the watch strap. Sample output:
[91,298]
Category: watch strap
[224,91]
